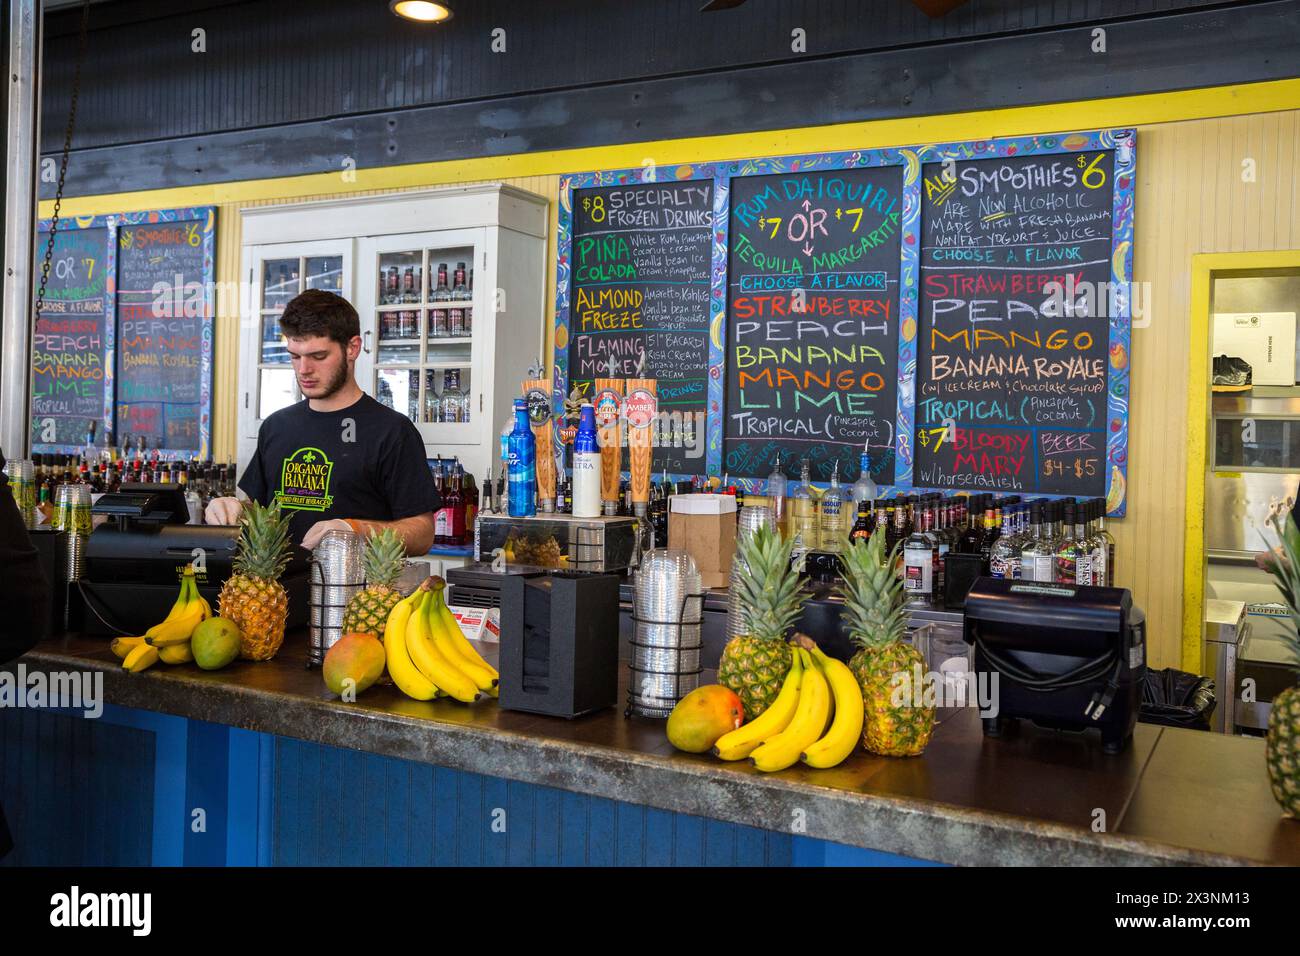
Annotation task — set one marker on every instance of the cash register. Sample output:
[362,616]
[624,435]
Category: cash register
[1066,657]
[134,560]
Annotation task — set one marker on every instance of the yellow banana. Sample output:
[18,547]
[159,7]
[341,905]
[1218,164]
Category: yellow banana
[740,743]
[430,660]
[846,730]
[467,650]
[176,653]
[140,658]
[122,646]
[783,750]
[182,596]
[177,630]
[400,667]
[471,665]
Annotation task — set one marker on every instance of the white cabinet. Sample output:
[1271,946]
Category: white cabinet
[423,340]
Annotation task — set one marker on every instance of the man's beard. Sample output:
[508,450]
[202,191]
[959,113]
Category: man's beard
[334,385]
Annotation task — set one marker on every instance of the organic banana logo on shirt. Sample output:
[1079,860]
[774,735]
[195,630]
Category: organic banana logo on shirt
[305,481]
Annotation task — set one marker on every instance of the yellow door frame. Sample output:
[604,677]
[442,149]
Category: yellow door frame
[1206,268]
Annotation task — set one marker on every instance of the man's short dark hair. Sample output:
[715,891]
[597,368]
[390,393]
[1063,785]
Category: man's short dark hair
[317,312]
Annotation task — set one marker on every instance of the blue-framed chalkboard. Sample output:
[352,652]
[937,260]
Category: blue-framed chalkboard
[863,241]
[125,338]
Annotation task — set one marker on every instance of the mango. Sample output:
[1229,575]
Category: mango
[702,716]
[215,643]
[355,657]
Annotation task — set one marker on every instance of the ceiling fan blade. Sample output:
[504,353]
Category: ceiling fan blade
[715,5]
[937,8]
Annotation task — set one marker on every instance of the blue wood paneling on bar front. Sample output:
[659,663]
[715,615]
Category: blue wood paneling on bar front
[120,791]
[419,815]
[76,791]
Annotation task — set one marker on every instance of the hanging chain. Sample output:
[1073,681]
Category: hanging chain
[67,150]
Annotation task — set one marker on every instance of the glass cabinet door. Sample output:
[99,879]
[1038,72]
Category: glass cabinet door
[278,273]
[423,320]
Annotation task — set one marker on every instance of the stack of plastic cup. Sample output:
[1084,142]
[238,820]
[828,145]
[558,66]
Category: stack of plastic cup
[337,575]
[72,514]
[22,485]
[751,518]
[668,608]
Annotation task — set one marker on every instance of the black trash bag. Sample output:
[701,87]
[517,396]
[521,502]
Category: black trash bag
[1175,698]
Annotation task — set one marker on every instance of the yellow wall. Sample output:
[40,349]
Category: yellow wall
[1191,198]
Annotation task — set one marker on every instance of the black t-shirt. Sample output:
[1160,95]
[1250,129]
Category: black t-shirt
[365,461]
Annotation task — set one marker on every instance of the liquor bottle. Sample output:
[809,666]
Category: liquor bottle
[1004,558]
[862,526]
[469,306]
[454,407]
[471,497]
[776,486]
[586,466]
[896,528]
[992,532]
[803,511]
[1067,549]
[1107,550]
[974,532]
[523,465]
[456,314]
[488,505]
[833,509]
[1084,573]
[918,568]
[1037,558]
[441,295]
[408,286]
[864,489]
[454,506]
[392,285]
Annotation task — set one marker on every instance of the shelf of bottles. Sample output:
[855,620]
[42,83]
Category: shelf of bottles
[282,279]
[425,324]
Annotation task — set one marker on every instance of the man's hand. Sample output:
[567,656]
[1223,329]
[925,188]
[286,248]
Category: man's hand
[318,530]
[223,511]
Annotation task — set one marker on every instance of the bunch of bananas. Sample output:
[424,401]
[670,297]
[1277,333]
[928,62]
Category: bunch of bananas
[427,654]
[168,640]
[817,718]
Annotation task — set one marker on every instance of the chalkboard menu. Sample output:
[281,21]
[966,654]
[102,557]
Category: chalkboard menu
[961,310]
[72,345]
[125,336]
[813,322]
[641,279]
[1014,323]
[162,314]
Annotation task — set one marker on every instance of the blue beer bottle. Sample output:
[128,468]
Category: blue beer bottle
[522,465]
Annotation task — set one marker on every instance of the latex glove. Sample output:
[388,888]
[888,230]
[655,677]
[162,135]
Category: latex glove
[223,511]
[317,531]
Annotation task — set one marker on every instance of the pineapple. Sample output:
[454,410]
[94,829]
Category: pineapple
[753,665]
[1283,751]
[367,612]
[873,609]
[252,597]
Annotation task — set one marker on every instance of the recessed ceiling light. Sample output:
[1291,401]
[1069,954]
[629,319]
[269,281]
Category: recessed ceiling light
[422,10]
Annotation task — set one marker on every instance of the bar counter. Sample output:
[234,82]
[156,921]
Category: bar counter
[1037,797]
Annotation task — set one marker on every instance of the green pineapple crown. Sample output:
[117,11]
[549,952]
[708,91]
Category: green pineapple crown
[263,541]
[384,558]
[873,594]
[1286,572]
[768,586]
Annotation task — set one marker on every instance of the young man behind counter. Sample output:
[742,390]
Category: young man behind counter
[338,459]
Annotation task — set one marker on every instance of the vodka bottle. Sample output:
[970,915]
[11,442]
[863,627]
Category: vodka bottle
[1037,558]
[833,509]
[918,567]
[776,486]
[803,511]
